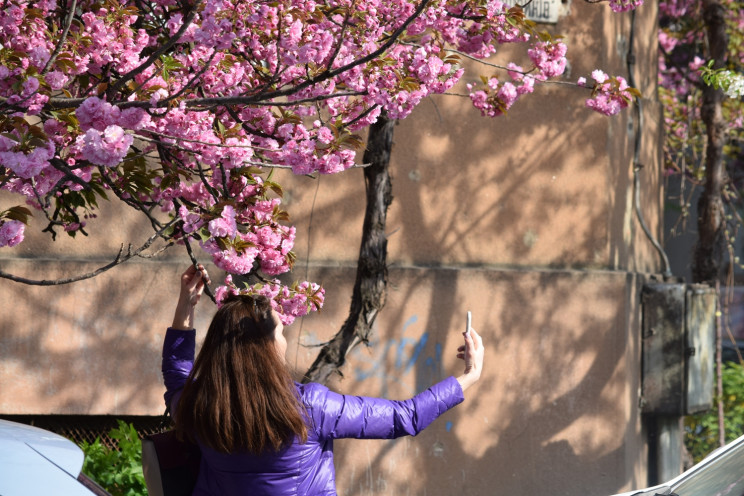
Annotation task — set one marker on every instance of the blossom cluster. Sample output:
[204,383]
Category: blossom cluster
[735,87]
[624,5]
[289,302]
[11,232]
[495,98]
[549,58]
[609,94]
[186,106]
[732,83]
[686,66]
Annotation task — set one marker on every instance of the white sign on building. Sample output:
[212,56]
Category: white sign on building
[546,11]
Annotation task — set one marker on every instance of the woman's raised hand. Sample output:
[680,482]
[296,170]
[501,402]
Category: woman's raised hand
[471,353]
[193,281]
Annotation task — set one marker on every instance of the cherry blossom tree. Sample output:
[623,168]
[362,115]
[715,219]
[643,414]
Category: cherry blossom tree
[701,65]
[181,110]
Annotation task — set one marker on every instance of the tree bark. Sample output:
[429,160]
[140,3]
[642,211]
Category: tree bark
[711,217]
[370,286]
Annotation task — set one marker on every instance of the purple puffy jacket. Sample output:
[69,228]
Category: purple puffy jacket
[303,469]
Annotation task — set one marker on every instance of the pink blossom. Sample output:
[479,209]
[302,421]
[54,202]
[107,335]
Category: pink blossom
[30,86]
[25,164]
[325,135]
[134,118]
[273,262]
[263,209]
[549,58]
[230,260]
[599,76]
[96,113]
[666,41]
[624,5]
[288,242]
[220,294]
[268,237]
[696,63]
[497,98]
[38,56]
[609,95]
[224,226]
[56,80]
[191,220]
[289,302]
[107,148]
[11,233]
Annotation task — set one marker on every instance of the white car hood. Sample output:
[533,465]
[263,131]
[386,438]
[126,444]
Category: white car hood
[34,461]
[720,474]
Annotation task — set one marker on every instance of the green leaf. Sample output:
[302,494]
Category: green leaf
[275,187]
[17,213]
[204,234]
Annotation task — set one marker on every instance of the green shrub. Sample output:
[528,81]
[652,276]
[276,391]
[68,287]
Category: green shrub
[118,470]
[701,430]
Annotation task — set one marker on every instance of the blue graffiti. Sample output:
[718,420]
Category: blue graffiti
[432,370]
[371,362]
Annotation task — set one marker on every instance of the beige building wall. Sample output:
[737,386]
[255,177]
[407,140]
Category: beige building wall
[526,220]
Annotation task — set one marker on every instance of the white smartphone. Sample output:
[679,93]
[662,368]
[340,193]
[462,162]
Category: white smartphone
[470,318]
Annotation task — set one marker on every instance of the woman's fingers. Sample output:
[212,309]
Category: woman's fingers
[204,275]
[471,352]
[193,280]
[195,276]
[188,274]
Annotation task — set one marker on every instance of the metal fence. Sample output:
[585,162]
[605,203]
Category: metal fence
[88,428]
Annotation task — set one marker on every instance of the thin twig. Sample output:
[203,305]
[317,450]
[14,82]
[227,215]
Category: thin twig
[121,257]
[188,19]
[62,39]
[207,291]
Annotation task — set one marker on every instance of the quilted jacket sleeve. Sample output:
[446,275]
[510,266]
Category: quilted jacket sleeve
[343,416]
[178,358]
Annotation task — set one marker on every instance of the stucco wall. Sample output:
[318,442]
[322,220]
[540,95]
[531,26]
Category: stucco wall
[526,220]
[557,401]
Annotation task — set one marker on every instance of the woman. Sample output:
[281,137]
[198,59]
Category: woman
[261,433]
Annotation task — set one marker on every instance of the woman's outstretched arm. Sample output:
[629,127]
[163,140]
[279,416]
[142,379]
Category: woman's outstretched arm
[341,416]
[192,287]
[179,342]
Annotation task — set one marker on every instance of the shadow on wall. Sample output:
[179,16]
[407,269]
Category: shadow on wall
[547,184]
[554,412]
[504,191]
[91,347]
[475,191]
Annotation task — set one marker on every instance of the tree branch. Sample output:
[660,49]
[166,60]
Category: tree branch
[60,103]
[121,257]
[188,19]
[711,216]
[62,39]
[370,287]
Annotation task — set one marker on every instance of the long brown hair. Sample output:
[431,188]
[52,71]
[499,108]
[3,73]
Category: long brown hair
[240,395]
